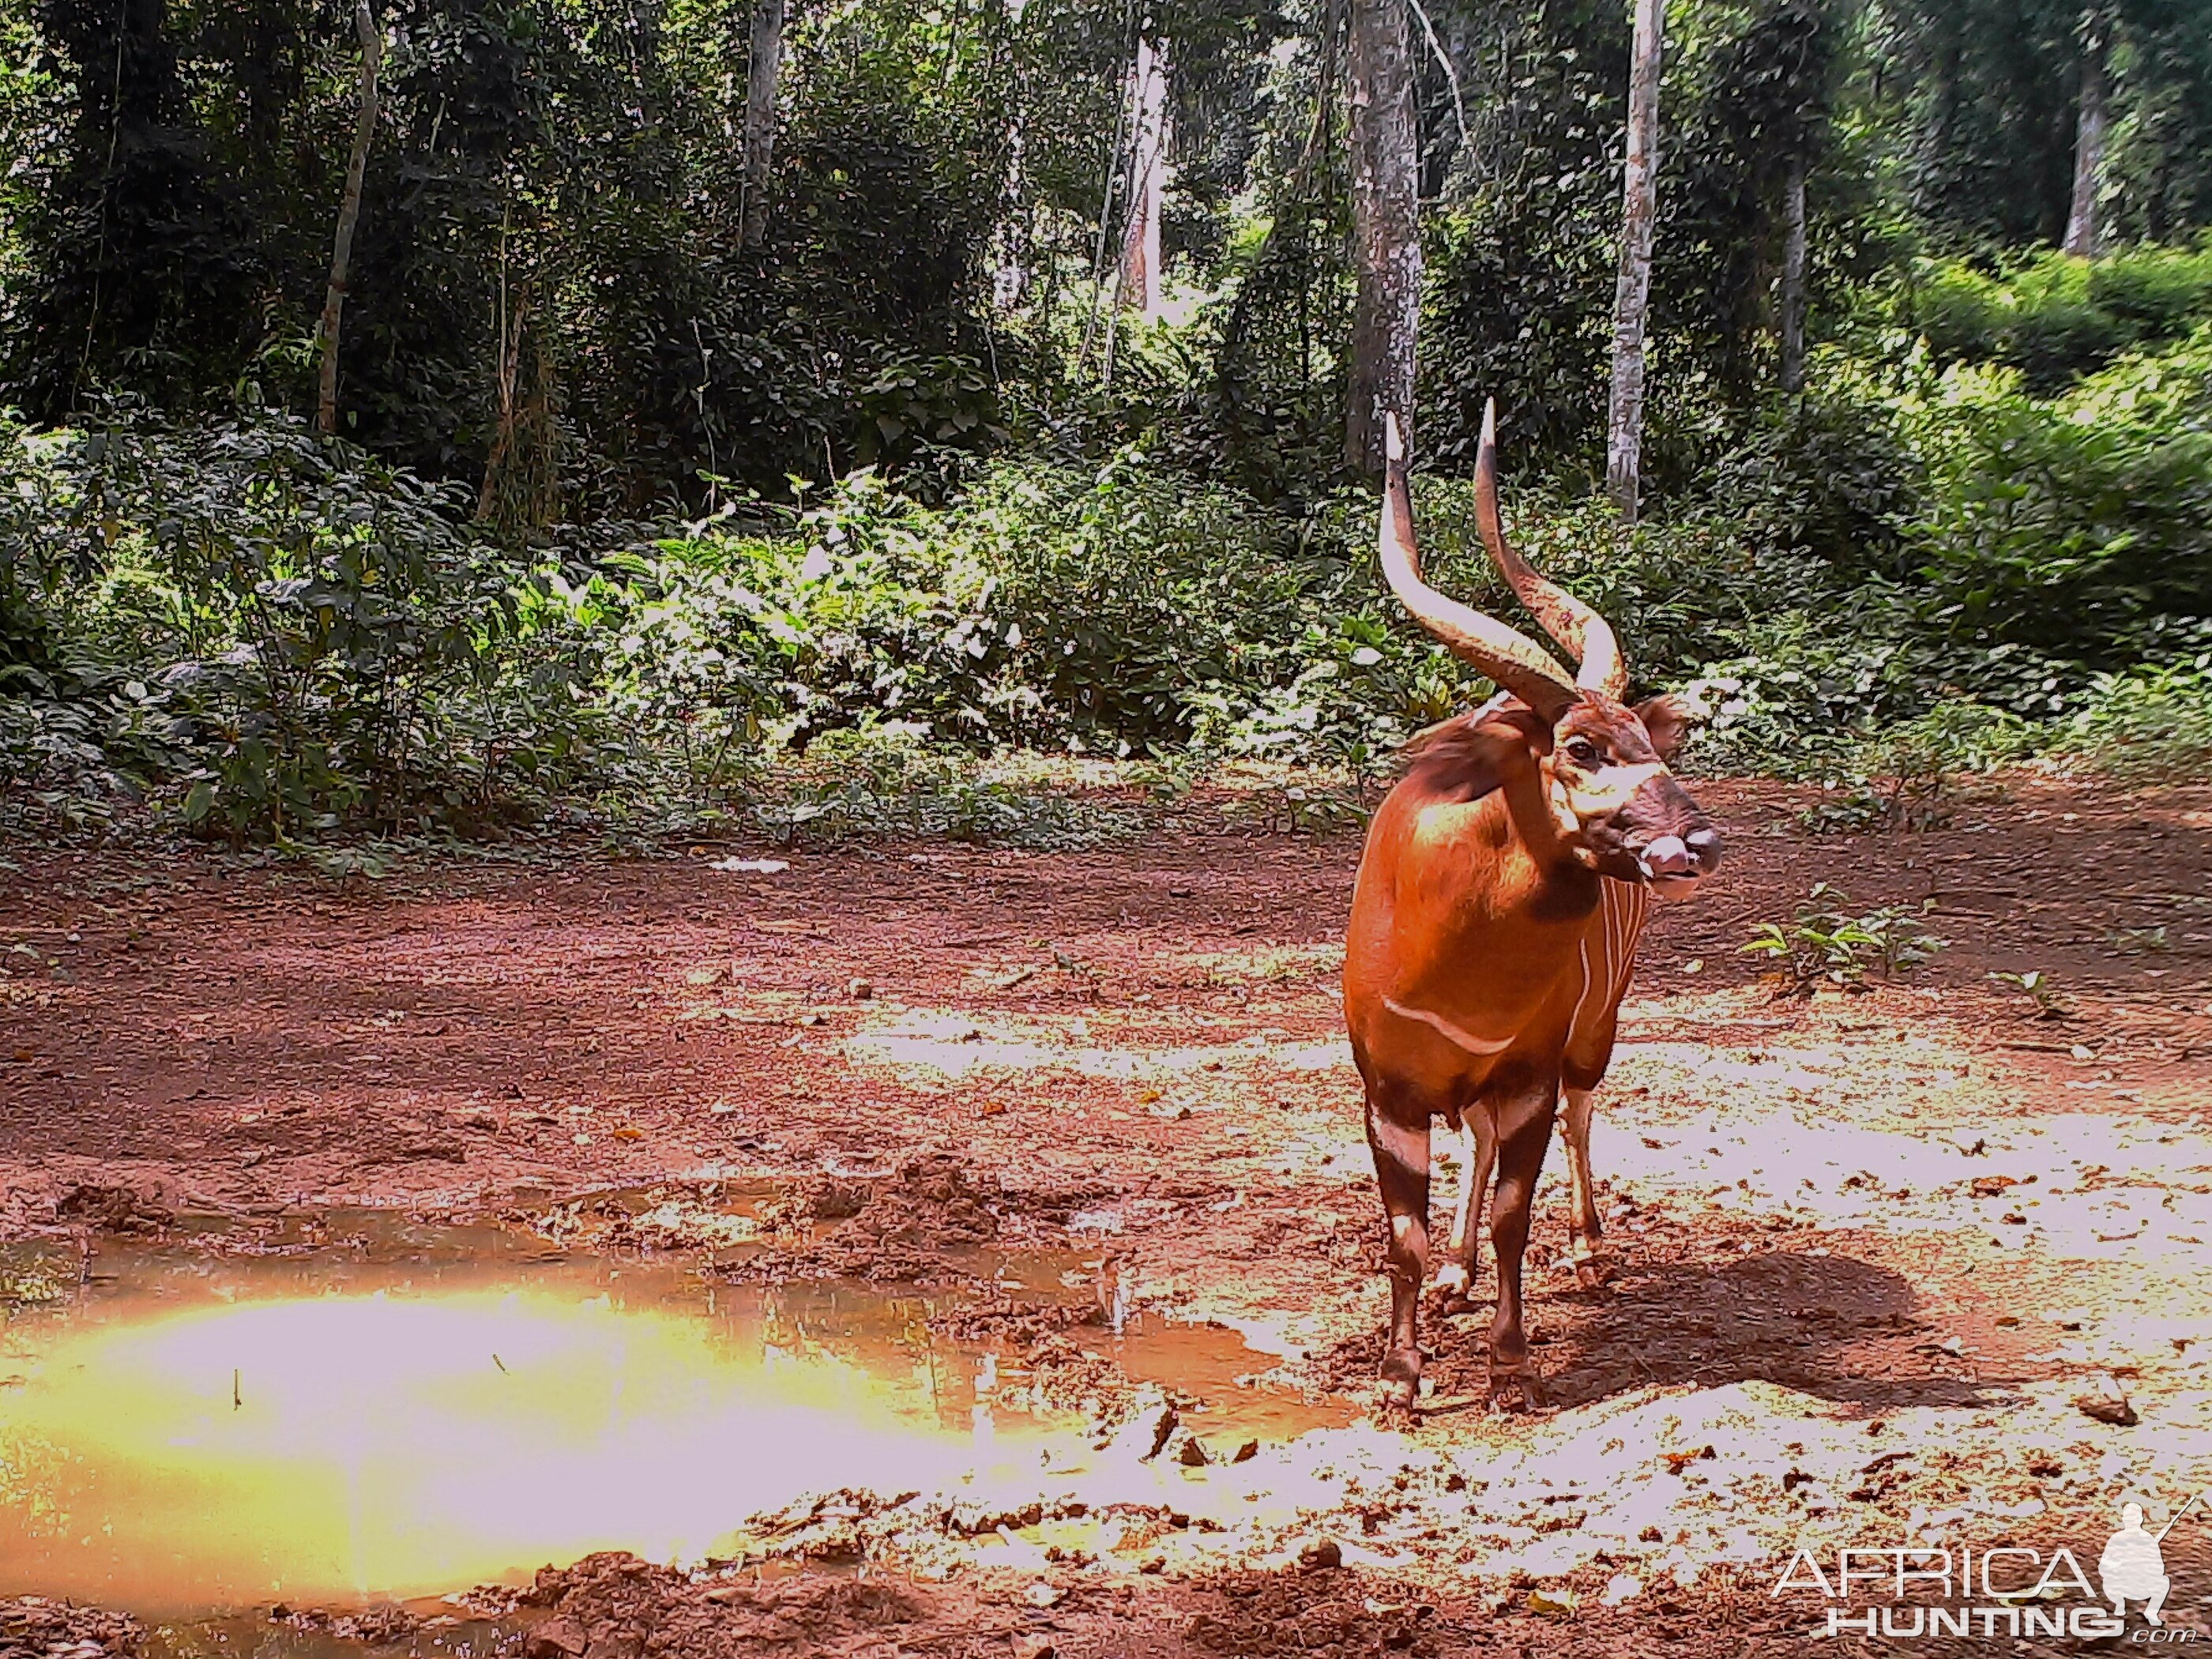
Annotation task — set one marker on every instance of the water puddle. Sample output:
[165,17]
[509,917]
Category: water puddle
[379,1409]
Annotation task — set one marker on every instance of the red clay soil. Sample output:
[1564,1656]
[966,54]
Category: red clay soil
[1139,1048]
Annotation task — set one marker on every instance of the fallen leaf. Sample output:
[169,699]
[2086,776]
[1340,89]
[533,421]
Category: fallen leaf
[1321,1555]
[2105,1409]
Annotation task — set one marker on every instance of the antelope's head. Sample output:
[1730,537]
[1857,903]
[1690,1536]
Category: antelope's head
[1602,762]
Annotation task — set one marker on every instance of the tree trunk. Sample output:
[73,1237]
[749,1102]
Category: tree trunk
[521,492]
[1321,135]
[1386,228]
[326,331]
[1793,279]
[1623,443]
[2081,233]
[764,68]
[1140,242]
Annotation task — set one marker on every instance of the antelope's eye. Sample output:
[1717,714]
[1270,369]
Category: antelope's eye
[1584,753]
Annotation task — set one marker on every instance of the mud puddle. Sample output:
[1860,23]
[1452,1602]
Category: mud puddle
[427,1630]
[357,1408]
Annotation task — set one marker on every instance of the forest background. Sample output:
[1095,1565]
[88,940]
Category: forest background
[819,419]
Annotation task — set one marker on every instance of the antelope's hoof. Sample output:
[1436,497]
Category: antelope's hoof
[1455,1289]
[1401,1379]
[1591,1272]
[1511,1392]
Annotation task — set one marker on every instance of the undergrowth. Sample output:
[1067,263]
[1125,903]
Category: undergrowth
[261,637]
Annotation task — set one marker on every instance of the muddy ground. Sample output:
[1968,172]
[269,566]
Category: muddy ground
[1895,1255]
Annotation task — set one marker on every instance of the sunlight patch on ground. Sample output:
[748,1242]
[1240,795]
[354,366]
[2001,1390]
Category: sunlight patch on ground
[367,1406]
[2082,1188]
[956,1046]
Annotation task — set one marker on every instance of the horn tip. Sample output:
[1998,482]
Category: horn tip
[1490,422]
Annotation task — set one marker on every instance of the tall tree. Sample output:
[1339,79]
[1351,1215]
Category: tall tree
[136,249]
[1793,277]
[1386,230]
[1140,240]
[2081,228]
[762,76]
[326,333]
[1624,439]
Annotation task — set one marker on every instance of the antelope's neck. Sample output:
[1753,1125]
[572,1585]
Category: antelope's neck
[1554,885]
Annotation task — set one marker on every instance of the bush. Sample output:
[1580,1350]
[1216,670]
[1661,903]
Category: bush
[296,636]
[2070,526]
[1108,610]
[2152,725]
[1825,942]
[1908,575]
[886,780]
[2055,317]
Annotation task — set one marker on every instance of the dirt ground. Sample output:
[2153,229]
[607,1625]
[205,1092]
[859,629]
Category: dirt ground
[1870,1249]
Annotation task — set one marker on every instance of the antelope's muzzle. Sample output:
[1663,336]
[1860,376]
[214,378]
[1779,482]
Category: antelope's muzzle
[1681,847]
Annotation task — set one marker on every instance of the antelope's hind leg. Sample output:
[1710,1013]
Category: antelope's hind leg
[1587,1232]
[1398,1135]
[1477,1150]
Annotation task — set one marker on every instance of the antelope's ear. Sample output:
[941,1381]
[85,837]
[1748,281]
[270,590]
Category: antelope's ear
[1513,723]
[1669,719]
[1467,758]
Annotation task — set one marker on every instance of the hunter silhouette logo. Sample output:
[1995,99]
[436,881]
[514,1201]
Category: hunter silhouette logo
[2132,1568]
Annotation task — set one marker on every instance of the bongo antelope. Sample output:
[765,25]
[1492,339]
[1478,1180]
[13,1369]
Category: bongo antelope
[1485,962]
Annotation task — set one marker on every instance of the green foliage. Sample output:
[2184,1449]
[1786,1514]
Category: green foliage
[139,242]
[2056,318]
[2139,941]
[2040,542]
[2050,1002]
[2074,525]
[815,529]
[880,781]
[276,637]
[1981,99]
[1917,774]
[2150,726]
[1826,943]
[290,634]
[1108,611]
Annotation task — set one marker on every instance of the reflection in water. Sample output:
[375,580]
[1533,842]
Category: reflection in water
[350,1444]
[436,1407]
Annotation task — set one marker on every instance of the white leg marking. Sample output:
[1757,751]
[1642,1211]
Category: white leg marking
[1576,1128]
[1410,1147]
[1476,1151]
[1485,1159]
[1462,1221]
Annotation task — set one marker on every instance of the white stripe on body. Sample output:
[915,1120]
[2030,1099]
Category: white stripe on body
[1623,908]
[1473,1044]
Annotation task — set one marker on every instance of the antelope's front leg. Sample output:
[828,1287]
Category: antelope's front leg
[1586,1232]
[1477,1150]
[1524,1133]
[1398,1135]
